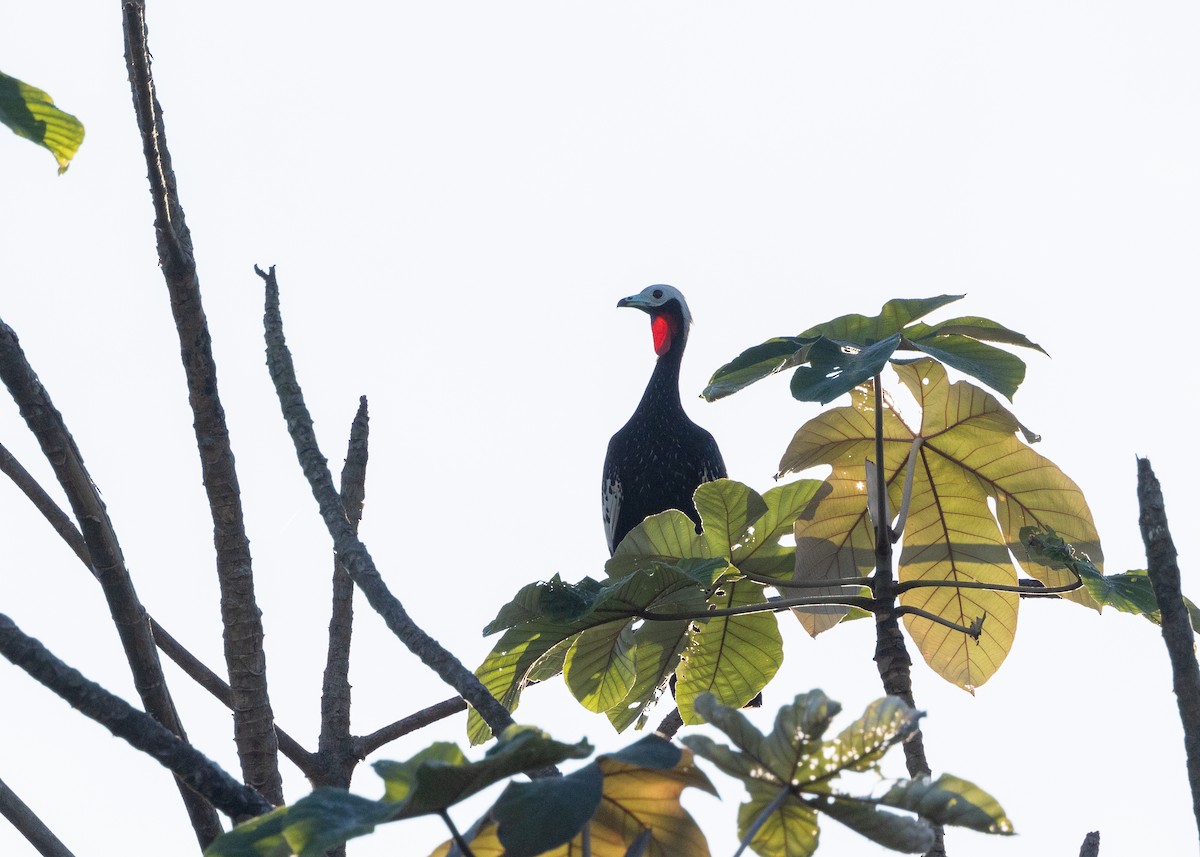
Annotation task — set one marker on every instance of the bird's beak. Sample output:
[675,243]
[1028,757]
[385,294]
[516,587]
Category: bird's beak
[636,301]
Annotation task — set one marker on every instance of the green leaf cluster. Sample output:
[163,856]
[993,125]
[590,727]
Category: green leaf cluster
[790,776]
[31,114]
[675,603]
[835,357]
[432,781]
[618,798]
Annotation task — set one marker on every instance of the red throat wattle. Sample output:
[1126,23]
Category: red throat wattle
[661,328]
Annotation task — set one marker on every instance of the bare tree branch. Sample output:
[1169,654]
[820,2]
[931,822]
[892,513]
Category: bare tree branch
[140,730]
[196,669]
[253,719]
[336,746]
[27,823]
[103,551]
[368,744]
[1176,624]
[350,550]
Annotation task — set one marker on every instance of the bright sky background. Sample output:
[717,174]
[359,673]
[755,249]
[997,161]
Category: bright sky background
[456,195]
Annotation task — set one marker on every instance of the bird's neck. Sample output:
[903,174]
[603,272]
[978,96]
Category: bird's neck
[662,393]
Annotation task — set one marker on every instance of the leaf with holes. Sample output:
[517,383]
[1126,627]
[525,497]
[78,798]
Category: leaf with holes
[970,454]
[791,777]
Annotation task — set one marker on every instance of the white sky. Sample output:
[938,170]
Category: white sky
[456,195]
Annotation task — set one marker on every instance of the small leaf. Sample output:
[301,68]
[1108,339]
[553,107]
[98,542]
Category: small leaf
[31,114]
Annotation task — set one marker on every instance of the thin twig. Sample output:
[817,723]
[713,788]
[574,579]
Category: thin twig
[368,744]
[1040,591]
[103,552]
[126,722]
[27,823]
[349,549]
[455,835]
[772,605]
[788,583]
[253,720]
[198,671]
[973,630]
[1177,630]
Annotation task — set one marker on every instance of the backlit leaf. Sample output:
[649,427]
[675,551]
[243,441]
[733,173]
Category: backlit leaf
[970,456]
[31,114]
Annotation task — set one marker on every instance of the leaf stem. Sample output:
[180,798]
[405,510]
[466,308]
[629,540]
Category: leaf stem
[775,605]
[776,582]
[991,587]
[975,629]
[762,819]
[455,835]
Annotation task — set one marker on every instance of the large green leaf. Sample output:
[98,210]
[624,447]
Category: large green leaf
[834,539]
[31,114]
[731,656]
[834,357]
[893,318]
[510,666]
[600,668]
[969,453]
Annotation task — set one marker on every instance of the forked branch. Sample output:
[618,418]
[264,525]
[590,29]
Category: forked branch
[351,552]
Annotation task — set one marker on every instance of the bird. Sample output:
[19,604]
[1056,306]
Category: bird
[660,457]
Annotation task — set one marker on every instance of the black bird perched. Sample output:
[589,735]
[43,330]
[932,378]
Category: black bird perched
[659,458]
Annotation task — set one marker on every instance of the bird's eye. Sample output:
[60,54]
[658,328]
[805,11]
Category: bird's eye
[657,294]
